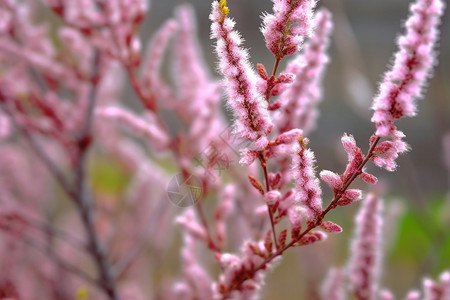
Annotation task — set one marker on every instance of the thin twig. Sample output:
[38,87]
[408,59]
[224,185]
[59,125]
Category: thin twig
[83,197]
[56,232]
[269,207]
[59,261]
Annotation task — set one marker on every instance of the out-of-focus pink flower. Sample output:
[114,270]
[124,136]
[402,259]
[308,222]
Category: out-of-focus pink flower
[333,288]
[308,191]
[364,265]
[223,211]
[413,295]
[437,290]
[252,119]
[299,100]
[5,126]
[286,29]
[189,223]
[386,295]
[198,281]
[151,131]
[333,180]
[413,62]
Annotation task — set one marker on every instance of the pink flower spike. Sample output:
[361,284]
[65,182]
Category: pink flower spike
[333,180]
[333,286]
[308,190]
[155,51]
[250,110]
[189,68]
[412,65]
[349,143]
[364,265]
[286,29]
[330,227]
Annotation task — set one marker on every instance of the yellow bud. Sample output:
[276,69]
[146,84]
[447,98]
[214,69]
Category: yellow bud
[223,7]
[301,142]
[82,293]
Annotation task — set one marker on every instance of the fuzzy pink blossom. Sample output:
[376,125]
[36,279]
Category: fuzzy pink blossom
[412,65]
[289,137]
[385,154]
[330,227]
[333,286]
[354,154]
[332,179]
[252,119]
[299,100]
[308,190]
[286,29]
[349,196]
[364,265]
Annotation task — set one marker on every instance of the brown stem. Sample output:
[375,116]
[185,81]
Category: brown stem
[83,197]
[275,67]
[269,207]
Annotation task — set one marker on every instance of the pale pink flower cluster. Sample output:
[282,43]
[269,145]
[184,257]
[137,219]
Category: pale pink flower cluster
[288,26]
[412,64]
[364,265]
[252,119]
[308,191]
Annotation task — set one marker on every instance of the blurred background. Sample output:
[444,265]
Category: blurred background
[417,209]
